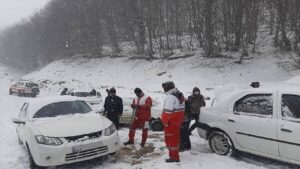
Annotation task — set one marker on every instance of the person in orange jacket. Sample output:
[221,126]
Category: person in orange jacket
[172,117]
[142,105]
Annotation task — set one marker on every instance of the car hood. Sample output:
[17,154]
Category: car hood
[71,125]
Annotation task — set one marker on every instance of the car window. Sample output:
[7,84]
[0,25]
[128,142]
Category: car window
[290,107]
[82,94]
[63,108]
[255,104]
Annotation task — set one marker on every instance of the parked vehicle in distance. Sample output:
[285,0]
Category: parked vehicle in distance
[263,121]
[63,130]
[93,99]
[25,88]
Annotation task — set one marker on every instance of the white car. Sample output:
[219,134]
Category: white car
[263,121]
[62,130]
[86,96]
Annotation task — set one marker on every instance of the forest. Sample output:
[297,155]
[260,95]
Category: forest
[152,28]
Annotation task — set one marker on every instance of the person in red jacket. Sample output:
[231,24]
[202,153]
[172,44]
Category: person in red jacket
[142,105]
[172,117]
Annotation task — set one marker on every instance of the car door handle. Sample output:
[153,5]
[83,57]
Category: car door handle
[286,130]
[231,120]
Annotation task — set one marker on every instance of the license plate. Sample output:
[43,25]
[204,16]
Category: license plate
[89,146]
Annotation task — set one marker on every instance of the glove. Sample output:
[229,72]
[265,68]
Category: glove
[133,106]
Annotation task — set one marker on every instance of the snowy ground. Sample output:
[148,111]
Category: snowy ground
[81,73]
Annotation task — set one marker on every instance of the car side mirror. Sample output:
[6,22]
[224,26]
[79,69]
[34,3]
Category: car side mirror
[18,121]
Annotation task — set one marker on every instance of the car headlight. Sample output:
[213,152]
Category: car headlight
[48,140]
[110,130]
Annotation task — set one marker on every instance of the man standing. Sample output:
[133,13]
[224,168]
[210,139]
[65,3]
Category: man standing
[185,142]
[172,117]
[113,107]
[64,92]
[195,102]
[142,107]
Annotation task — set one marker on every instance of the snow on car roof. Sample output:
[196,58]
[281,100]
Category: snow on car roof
[225,94]
[36,104]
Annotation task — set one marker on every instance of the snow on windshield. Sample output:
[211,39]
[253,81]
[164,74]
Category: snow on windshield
[63,108]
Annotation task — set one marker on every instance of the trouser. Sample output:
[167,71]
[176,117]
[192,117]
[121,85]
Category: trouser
[115,119]
[172,139]
[196,124]
[172,133]
[185,142]
[138,123]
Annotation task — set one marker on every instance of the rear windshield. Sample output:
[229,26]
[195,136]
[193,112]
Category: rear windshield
[82,94]
[63,108]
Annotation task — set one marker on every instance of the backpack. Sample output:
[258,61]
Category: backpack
[179,96]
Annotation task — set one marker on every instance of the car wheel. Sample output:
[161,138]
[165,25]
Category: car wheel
[220,143]
[33,95]
[32,164]
[156,125]
[10,92]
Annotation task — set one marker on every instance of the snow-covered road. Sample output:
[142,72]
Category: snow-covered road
[13,156]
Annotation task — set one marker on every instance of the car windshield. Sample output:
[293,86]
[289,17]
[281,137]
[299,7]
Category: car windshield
[31,85]
[63,108]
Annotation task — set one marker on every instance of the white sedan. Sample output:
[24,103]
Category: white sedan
[62,130]
[263,121]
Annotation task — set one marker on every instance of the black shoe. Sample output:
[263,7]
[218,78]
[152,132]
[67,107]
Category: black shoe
[170,160]
[142,144]
[128,143]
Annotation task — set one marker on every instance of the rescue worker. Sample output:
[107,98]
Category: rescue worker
[195,102]
[185,142]
[64,91]
[113,107]
[172,117]
[142,107]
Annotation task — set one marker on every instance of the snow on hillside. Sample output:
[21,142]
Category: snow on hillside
[212,75]
[125,75]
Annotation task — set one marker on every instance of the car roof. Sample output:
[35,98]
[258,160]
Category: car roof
[267,88]
[35,104]
[26,81]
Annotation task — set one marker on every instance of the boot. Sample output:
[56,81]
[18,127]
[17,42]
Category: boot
[128,143]
[170,160]
[142,144]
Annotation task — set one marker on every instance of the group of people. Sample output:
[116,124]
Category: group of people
[176,117]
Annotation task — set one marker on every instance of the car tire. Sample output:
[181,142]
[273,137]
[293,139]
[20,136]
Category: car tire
[32,164]
[220,143]
[10,92]
[156,125]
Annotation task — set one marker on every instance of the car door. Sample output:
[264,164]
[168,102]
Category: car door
[289,126]
[254,124]
[23,117]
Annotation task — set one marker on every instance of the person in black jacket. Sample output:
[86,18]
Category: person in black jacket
[185,142]
[113,107]
[195,102]
[64,92]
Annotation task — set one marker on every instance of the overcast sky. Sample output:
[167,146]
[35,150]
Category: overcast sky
[12,11]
